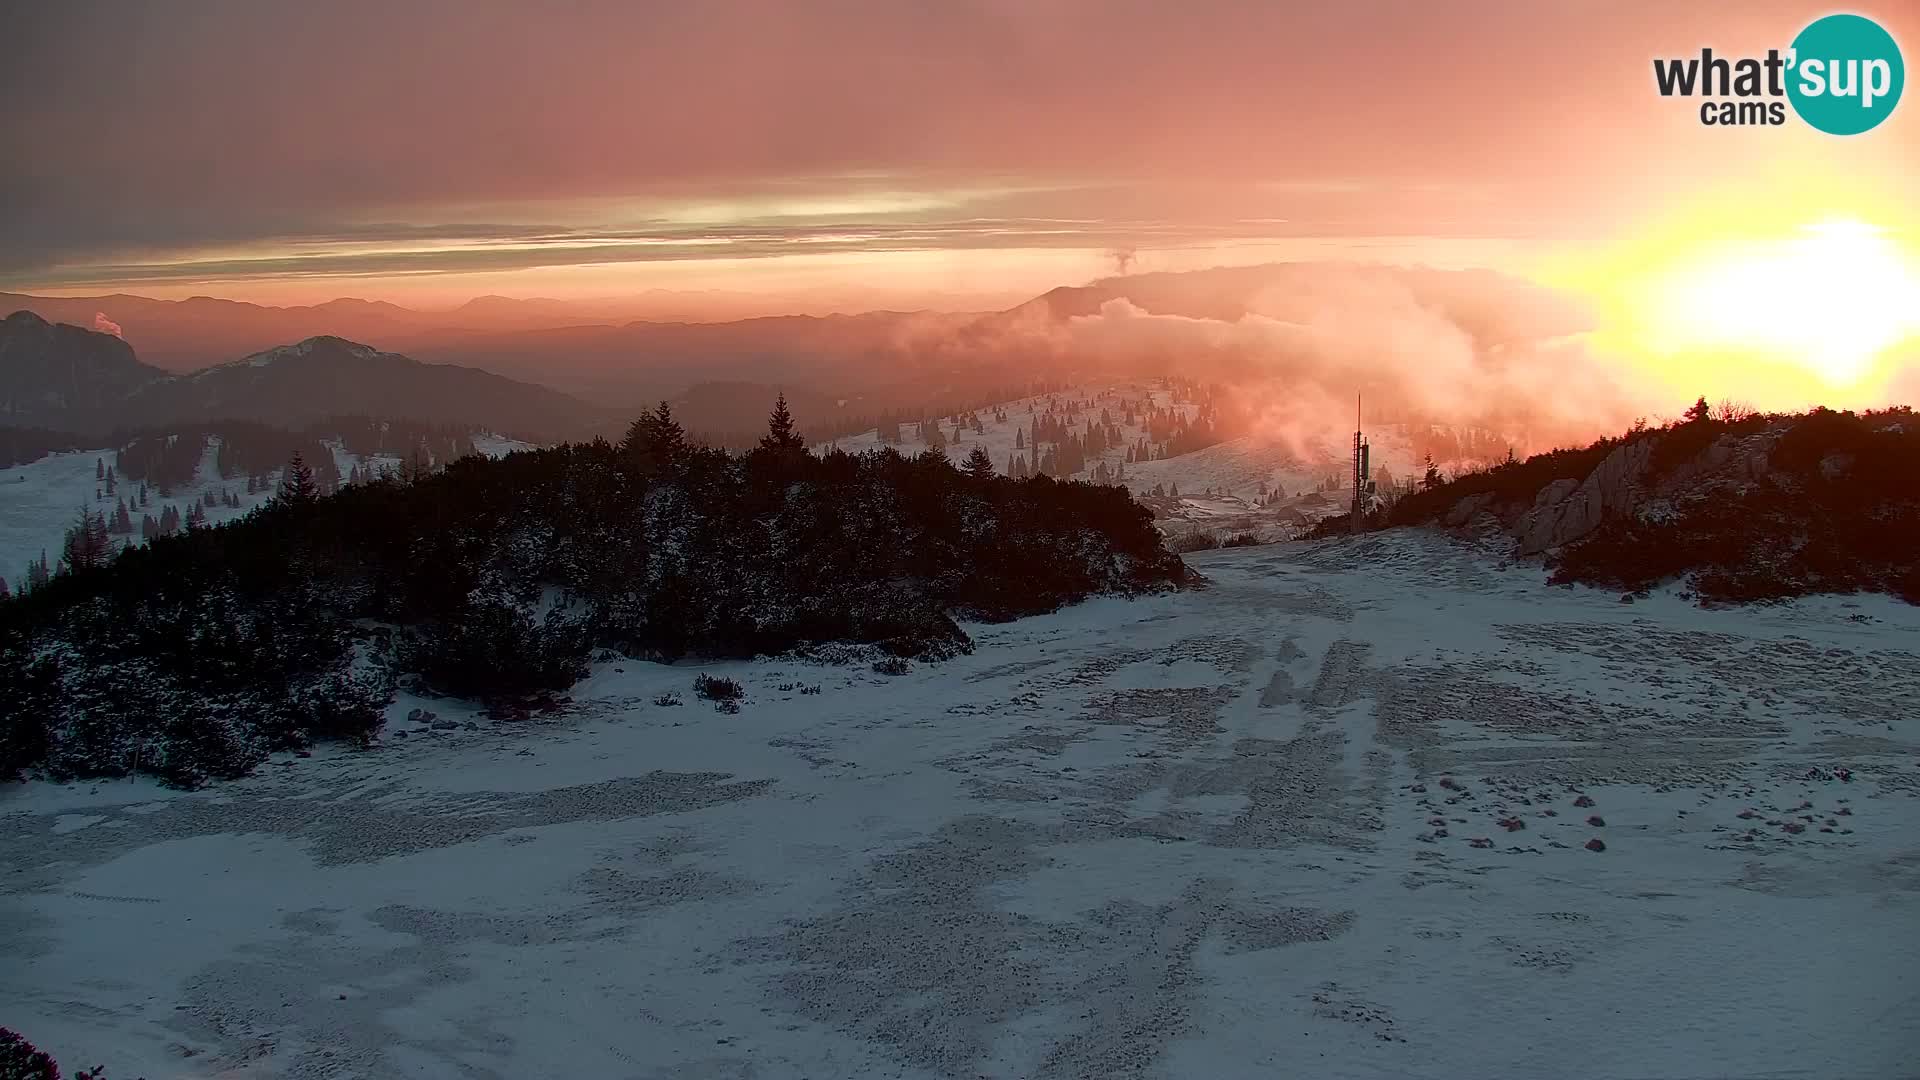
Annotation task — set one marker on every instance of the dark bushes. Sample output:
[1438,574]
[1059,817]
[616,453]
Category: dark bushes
[495,649]
[1838,510]
[194,656]
[717,689]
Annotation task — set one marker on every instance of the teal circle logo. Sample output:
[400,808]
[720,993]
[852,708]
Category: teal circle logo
[1847,74]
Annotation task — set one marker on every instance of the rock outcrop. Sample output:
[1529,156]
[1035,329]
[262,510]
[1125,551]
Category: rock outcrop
[1566,510]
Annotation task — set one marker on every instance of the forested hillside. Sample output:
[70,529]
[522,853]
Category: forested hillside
[194,655]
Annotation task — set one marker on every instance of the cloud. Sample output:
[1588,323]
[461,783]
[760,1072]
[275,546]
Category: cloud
[170,128]
[105,325]
[1423,346]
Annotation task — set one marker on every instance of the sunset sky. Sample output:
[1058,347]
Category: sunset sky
[950,154]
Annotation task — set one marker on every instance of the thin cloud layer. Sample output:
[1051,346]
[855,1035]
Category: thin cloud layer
[228,141]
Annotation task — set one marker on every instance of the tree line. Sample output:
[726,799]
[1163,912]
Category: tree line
[193,656]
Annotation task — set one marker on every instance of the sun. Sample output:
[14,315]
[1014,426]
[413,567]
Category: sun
[1781,292]
[1830,298]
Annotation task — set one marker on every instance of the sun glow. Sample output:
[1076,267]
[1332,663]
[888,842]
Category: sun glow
[1830,298]
[1800,291]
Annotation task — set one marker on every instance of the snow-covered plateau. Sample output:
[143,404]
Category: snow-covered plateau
[1332,816]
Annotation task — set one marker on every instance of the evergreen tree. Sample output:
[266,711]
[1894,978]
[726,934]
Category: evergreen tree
[4,594]
[655,441]
[978,465]
[297,488]
[87,545]
[1699,412]
[780,437]
[1432,477]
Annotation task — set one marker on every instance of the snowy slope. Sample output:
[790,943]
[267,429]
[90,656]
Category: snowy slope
[999,437]
[41,499]
[1233,471]
[1224,834]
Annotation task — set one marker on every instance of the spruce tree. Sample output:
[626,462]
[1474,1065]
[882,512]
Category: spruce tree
[87,544]
[655,440]
[297,488]
[978,465]
[780,436]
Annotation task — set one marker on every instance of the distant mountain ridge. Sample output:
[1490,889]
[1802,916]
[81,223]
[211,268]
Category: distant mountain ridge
[53,370]
[70,378]
[186,335]
[837,369]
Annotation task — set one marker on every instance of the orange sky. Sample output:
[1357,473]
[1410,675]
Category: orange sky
[867,153]
[438,149]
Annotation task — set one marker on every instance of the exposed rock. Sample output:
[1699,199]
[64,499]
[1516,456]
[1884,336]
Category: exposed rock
[1464,510]
[1566,510]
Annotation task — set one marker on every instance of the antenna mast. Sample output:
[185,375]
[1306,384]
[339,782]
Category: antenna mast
[1359,466]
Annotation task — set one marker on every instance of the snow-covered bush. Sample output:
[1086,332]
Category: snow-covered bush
[718,689]
[493,649]
[196,655]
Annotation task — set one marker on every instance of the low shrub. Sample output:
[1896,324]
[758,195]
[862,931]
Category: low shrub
[712,689]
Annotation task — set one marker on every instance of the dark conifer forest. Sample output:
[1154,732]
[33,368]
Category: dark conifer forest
[193,656]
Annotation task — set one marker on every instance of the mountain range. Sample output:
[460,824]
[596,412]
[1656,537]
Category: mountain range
[558,369]
[72,379]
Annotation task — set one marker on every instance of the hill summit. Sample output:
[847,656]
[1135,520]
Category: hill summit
[1736,505]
